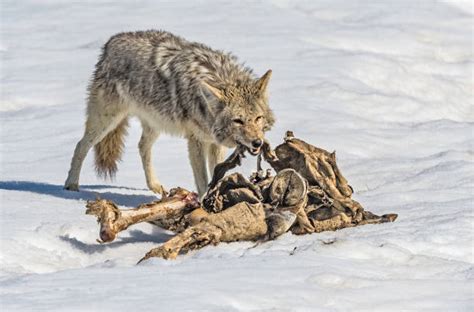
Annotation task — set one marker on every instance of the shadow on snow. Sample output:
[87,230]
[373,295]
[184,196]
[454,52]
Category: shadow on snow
[129,200]
[135,236]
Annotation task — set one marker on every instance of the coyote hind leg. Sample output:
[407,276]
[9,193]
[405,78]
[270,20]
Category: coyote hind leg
[149,137]
[101,119]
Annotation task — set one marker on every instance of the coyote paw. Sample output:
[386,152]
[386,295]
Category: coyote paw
[158,189]
[72,187]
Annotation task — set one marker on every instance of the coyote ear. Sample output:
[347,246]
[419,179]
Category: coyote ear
[216,92]
[262,83]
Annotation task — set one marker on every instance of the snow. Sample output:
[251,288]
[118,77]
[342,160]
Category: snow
[388,85]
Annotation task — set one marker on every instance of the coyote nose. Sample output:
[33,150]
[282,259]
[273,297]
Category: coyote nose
[257,143]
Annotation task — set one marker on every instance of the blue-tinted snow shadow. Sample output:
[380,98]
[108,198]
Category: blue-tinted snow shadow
[129,200]
[135,236]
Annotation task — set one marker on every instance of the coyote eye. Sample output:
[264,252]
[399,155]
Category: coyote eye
[238,121]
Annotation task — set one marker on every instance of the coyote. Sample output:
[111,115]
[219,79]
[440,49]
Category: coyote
[173,86]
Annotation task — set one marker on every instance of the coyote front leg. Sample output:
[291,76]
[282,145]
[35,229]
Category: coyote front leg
[216,155]
[149,136]
[197,157]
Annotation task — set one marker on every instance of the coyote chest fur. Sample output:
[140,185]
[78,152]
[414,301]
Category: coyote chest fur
[173,86]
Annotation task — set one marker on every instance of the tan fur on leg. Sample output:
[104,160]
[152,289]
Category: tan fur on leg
[103,116]
[197,157]
[149,136]
[216,155]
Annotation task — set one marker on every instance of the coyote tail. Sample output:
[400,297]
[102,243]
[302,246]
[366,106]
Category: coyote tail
[109,151]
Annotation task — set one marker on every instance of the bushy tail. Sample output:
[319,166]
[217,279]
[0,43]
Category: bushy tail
[109,151]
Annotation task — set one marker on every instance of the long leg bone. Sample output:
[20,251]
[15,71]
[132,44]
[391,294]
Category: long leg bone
[113,220]
[194,237]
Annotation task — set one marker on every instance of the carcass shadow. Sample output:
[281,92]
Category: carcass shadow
[129,200]
[135,237]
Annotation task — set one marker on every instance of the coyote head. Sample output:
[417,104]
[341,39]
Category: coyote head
[242,114]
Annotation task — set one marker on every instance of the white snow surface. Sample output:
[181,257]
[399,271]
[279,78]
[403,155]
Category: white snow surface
[387,84]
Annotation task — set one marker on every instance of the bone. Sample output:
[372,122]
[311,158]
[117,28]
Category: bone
[194,237]
[113,220]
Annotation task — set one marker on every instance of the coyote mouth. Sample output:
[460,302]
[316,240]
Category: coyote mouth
[252,150]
